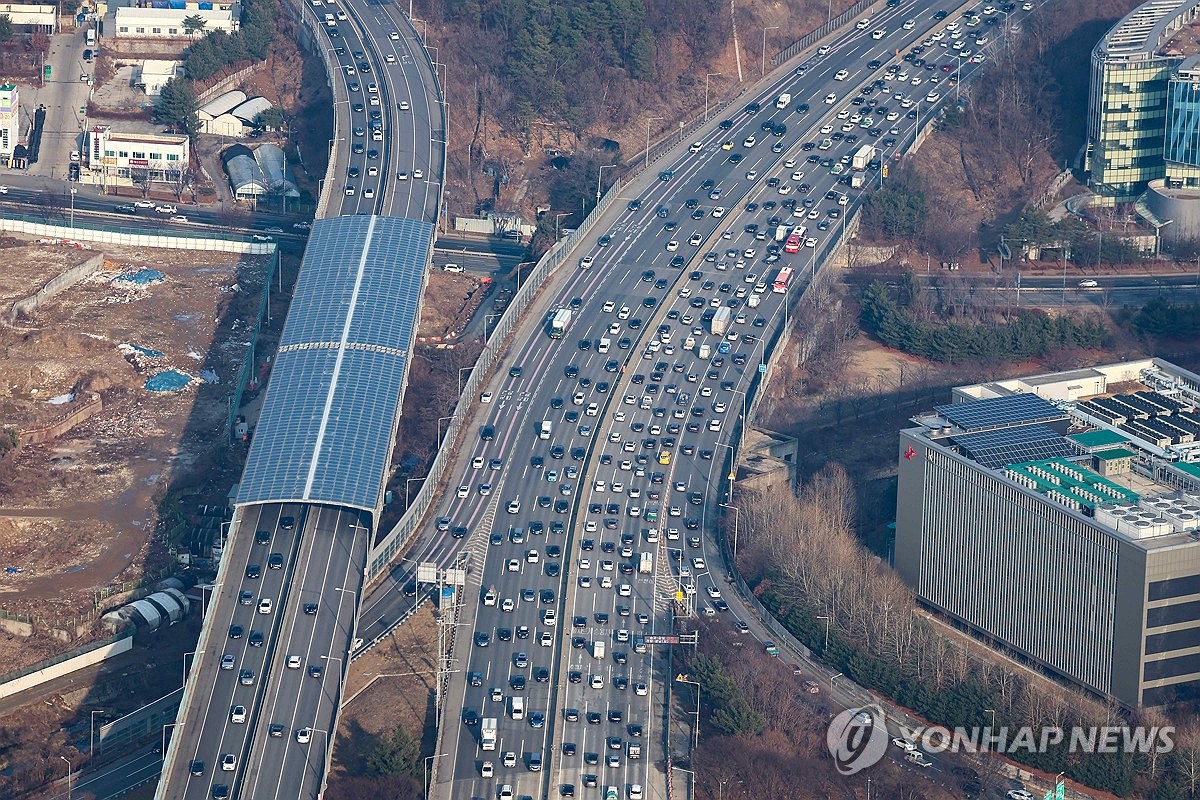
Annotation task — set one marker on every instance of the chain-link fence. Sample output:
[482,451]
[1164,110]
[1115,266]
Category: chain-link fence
[398,538]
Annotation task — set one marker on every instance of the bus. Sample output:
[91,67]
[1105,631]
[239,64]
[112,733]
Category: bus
[782,280]
[792,245]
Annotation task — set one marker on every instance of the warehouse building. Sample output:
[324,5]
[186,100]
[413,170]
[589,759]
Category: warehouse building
[163,19]
[1058,518]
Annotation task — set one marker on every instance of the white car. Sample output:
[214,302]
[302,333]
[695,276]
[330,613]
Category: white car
[303,735]
[463,491]
[841,75]
[237,715]
[672,246]
[830,99]
[486,397]
[908,745]
[718,212]
[487,770]
[418,174]
[586,262]
[932,97]
[641,689]
[878,34]
[696,147]
[228,762]
[403,105]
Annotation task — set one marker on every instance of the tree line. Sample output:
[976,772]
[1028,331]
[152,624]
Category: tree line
[218,49]
[803,559]
[1028,334]
[1162,318]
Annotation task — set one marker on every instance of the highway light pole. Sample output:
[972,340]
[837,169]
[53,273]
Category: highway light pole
[440,434]
[706,77]
[831,677]
[736,521]
[407,486]
[425,778]
[992,726]
[599,176]
[646,156]
[73,192]
[828,620]
[557,217]
[696,730]
[763,68]
[92,736]
[185,658]
[164,741]
[70,769]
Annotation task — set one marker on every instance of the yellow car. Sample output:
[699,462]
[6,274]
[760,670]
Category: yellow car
[664,457]
[727,146]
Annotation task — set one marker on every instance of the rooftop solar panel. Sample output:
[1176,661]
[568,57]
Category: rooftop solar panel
[998,448]
[325,432]
[996,412]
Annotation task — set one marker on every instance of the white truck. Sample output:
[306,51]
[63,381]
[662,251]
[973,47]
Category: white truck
[544,431]
[781,232]
[487,733]
[783,100]
[704,351]
[559,323]
[598,649]
[863,156]
[721,320]
[857,179]
[646,563]
[605,344]
[753,300]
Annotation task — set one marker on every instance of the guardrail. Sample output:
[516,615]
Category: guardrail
[398,538]
[811,38]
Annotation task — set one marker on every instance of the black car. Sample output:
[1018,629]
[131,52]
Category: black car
[470,717]
[275,561]
[634,205]
[129,209]
[575,676]
[604,241]
[235,631]
[726,124]
[567,789]
[517,682]
[253,571]
[541,675]
[504,634]
[736,158]
[256,639]
[594,718]
[571,714]
[514,372]
[802,108]
[753,108]
[197,767]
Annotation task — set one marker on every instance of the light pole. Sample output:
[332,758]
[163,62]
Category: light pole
[440,421]
[992,726]
[461,370]
[829,13]
[831,677]
[723,781]
[164,740]
[73,192]
[646,157]
[70,769]
[763,69]
[599,176]
[425,778]
[185,658]
[557,217]
[92,736]
[736,516]
[407,486]
[486,321]
[696,729]
[826,650]
[706,77]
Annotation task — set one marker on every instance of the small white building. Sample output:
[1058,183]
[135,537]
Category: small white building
[231,114]
[136,159]
[30,14]
[133,22]
[153,74]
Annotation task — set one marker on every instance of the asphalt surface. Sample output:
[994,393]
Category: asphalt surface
[317,558]
[638,242]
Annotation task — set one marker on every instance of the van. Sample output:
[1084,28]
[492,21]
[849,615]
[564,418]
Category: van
[652,535]
[544,433]
[517,706]
[645,402]
[330,21]
[783,100]
[605,344]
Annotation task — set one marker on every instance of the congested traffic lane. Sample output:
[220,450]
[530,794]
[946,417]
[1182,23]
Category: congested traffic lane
[633,246]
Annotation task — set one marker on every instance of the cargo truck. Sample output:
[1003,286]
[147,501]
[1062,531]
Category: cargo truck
[704,351]
[753,300]
[721,320]
[597,649]
[783,100]
[862,157]
[487,733]
[781,232]
[858,179]
[559,323]
[646,563]
[633,749]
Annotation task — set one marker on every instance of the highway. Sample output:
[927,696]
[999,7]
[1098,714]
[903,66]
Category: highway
[558,524]
[266,682]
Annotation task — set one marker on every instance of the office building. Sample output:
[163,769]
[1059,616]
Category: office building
[1058,518]
[10,120]
[164,19]
[136,159]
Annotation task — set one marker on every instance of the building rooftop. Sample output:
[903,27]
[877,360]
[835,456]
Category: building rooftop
[1143,31]
[1069,483]
[1098,438]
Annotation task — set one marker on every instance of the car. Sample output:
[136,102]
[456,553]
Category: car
[1088,284]
[228,762]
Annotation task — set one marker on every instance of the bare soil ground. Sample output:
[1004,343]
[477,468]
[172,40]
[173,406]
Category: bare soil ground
[390,686]
[77,512]
[450,300]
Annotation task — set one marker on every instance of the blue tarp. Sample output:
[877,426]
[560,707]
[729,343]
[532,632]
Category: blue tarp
[142,277]
[146,351]
[170,381]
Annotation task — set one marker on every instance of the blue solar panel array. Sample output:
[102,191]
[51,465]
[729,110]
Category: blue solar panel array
[325,431]
[996,412]
[999,448]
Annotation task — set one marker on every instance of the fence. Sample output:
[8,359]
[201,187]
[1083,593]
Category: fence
[220,85]
[398,537]
[248,365]
[57,428]
[97,232]
[811,38]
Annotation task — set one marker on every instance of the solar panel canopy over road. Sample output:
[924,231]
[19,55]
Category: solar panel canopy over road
[334,396]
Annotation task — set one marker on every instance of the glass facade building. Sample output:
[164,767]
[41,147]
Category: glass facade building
[1132,69]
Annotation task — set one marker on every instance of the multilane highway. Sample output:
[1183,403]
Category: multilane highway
[558,524]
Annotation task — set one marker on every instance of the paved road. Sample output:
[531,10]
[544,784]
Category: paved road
[63,96]
[654,384]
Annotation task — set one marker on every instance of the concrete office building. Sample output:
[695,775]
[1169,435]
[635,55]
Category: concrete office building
[1058,518]
[10,120]
[136,159]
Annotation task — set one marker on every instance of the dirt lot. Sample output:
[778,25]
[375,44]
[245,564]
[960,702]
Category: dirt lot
[392,685]
[450,300]
[76,512]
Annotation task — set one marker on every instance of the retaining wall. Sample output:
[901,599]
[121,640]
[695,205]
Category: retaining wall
[69,234]
[65,280]
[93,654]
[56,429]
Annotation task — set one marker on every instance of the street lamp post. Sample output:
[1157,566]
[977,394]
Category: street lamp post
[407,486]
[440,421]
[92,731]
[73,192]
[827,619]
[557,217]
[763,69]
[486,321]
[185,658]
[461,370]
[599,176]
[646,156]
[736,525]
[696,729]
[706,77]
[992,725]
[831,678]
[70,770]
[164,740]
[425,778]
